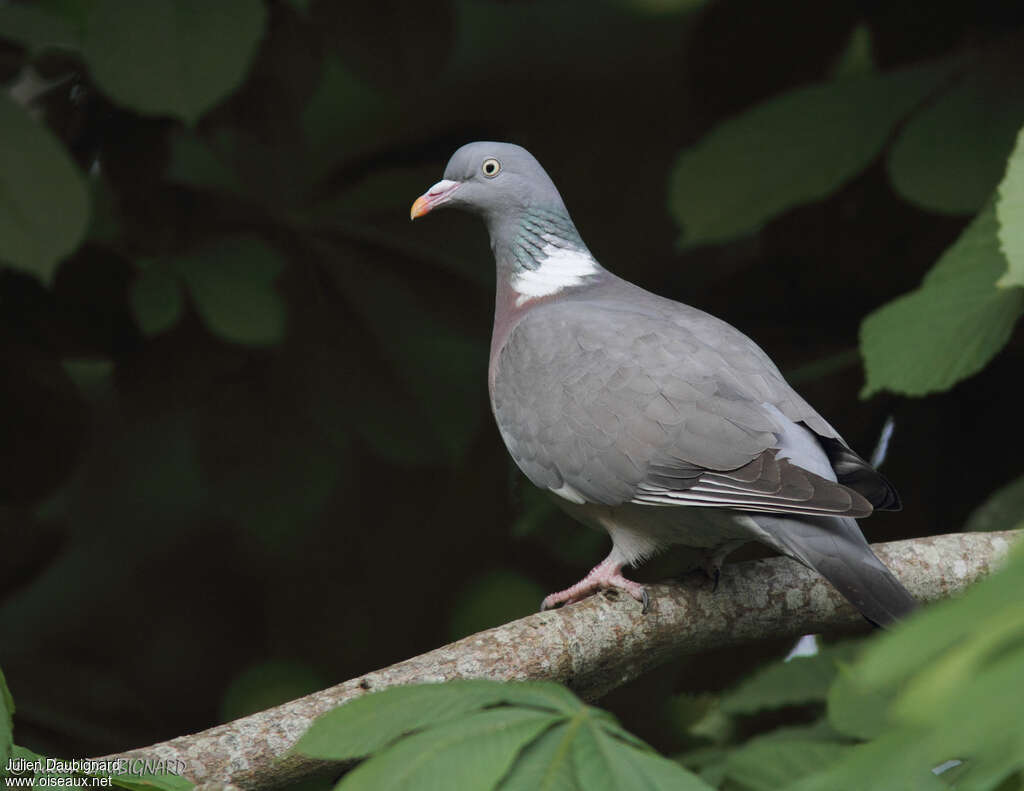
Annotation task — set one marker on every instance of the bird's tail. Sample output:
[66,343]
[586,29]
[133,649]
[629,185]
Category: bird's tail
[835,548]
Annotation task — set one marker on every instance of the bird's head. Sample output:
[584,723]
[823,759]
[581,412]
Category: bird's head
[490,179]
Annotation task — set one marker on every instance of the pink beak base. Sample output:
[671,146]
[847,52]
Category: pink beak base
[433,198]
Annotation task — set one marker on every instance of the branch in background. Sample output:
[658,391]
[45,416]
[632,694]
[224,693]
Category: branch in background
[592,647]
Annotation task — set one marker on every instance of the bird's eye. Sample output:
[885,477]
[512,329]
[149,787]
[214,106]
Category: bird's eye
[491,167]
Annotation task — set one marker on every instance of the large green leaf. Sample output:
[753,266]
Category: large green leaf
[370,723]
[896,763]
[232,284]
[468,734]
[769,764]
[546,764]
[804,679]
[172,57]
[857,712]
[1010,213]
[471,752]
[44,203]
[950,327]
[790,150]
[6,724]
[602,761]
[950,156]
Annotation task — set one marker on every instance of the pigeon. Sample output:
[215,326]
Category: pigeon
[650,419]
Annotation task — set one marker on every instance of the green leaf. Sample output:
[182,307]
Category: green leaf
[950,156]
[857,58]
[195,164]
[804,679]
[1010,213]
[603,762]
[6,724]
[232,284]
[896,763]
[346,116]
[44,203]
[856,711]
[942,687]
[1003,510]
[927,636]
[934,688]
[36,29]
[790,150]
[172,57]
[369,723]
[92,376]
[771,764]
[471,752]
[156,299]
[949,328]
[546,763]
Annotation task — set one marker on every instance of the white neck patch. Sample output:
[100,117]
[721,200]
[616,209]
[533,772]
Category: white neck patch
[560,268]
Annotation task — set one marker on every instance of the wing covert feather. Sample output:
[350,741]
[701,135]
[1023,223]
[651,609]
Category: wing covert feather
[654,407]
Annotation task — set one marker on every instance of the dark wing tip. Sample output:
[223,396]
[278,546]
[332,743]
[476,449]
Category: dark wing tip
[855,473]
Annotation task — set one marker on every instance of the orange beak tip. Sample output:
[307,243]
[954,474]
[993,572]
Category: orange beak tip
[420,207]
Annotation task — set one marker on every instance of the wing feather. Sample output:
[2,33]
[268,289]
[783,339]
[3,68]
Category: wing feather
[665,406]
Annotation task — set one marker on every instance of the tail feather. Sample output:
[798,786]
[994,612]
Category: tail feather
[836,549]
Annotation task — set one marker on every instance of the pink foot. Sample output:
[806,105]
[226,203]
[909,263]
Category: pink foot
[606,574]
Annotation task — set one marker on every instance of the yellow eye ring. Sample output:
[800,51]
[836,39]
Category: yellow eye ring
[491,167]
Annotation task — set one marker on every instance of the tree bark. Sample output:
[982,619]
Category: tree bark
[592,647]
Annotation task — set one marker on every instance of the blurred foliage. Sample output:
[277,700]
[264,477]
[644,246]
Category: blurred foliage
[924,706]
[906,344]
[493,599]
[1004,510]
[246,426]
[268,684]
[792,150]
[45,208]
[1009,210]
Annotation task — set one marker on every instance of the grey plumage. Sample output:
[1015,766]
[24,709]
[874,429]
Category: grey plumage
[651,419]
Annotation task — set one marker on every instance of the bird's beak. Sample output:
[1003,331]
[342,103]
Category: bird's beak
[433,197]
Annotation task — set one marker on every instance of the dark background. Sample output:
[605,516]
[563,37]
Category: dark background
[193,527]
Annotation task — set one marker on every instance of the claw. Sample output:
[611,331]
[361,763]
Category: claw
[605,575]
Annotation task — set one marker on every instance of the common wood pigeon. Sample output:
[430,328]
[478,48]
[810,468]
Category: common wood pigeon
[650,419]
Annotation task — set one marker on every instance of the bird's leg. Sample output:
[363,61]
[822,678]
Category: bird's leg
[713,560]
[606,574]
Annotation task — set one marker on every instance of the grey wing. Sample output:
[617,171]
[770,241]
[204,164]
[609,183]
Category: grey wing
[610,406]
